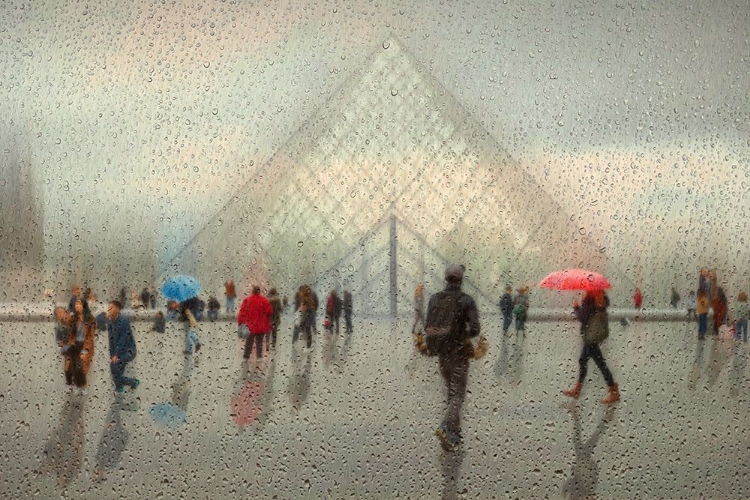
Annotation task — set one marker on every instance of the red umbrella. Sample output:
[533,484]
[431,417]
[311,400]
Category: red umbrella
[575,279]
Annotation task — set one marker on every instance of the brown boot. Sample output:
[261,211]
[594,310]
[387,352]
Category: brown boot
[574,391]
[613,396]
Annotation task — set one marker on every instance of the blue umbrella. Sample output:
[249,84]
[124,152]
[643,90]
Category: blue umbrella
[180,288]
[168,414]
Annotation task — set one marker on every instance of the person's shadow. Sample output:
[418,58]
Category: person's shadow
[697,367]
[181,387]
[516,361]
[720,353]
[343,354]
[510,364]
[64,448]
[113,441]
[299,382]
[501,367]
[451,471]
[739,365]
[585,472]
[266,399]
[329,347]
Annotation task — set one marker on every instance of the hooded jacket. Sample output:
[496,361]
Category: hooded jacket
[255,312]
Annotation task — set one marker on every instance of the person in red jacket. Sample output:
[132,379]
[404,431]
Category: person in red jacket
[255,313]
[638,298]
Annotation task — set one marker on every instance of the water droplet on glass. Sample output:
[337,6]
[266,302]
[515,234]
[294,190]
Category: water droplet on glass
[206,64]
[215,111]
[394,92]
[195,168]
[299,244]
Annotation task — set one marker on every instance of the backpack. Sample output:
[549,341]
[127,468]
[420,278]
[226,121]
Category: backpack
[596,329]
[443,334]
[520,311]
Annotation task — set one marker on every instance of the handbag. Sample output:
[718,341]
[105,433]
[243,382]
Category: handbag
[596,329]
[243,331]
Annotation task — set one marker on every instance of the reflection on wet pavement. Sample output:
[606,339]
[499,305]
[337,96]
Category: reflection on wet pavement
[354,417]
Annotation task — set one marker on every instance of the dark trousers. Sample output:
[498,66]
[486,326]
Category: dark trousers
[455,371]
[258,341]
[74,373]
[307,327]
[272,336]
[702,325]
[118,370]
[594,352]
[348,321]
[507,319]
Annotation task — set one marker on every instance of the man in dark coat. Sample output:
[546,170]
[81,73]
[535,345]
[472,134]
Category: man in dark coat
[273,298]
[506,308]
[456,309]
[122,348]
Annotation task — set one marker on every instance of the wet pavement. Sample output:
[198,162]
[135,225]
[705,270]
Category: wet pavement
[354,418]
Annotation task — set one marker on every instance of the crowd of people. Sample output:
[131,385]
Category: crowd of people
[258,321]
[445,331]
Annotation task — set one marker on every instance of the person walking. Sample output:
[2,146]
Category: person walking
[720,304]
[213,308]
[307,314]
[333,310]
[690,303]
[674,299]
[592,313]
[313,310]
[122,347]
[230,294]
[521,308]
[638,299]
[702,309]
[145,297]
[418,325]
[275,301]
[741,315]
[455,310]
[75,293]
[348,309]
[63,329]
[506,308]
[187,316]
[255,313]
[81,352]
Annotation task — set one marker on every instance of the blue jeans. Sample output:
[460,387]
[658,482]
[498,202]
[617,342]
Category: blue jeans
[230,304]
[191,339]
[507,318]
[741,328]
[117,370]
[702,325]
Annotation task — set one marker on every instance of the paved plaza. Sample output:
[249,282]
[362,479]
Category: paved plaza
[354,418]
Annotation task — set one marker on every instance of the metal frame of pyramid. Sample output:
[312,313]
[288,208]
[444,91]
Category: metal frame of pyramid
[391,141]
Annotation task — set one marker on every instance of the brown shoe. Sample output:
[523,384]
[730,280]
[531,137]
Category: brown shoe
[574,392]
[613,396]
